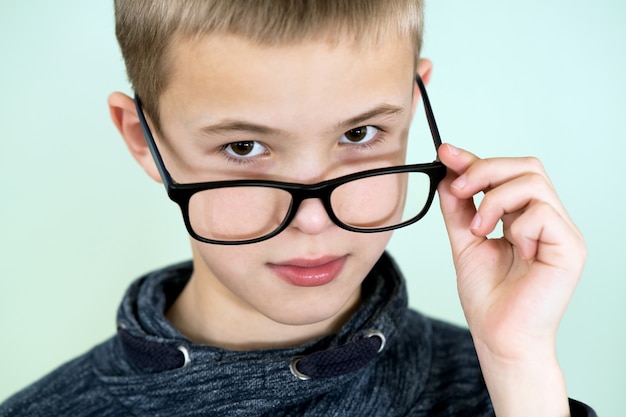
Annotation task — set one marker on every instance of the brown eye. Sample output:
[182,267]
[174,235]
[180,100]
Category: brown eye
[356,135]
[245,149]
[242,148]
[361,134]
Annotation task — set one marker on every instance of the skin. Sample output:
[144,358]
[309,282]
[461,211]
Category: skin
[513,290]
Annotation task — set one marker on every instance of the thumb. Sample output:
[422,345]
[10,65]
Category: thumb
[458,213]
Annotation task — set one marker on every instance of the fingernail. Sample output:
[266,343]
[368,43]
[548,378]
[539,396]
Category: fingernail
[476,221]
[460,182]
[454,150]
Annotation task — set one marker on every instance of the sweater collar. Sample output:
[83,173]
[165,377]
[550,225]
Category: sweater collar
[157,359]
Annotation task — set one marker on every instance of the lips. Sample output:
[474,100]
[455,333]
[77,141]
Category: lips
[309,272]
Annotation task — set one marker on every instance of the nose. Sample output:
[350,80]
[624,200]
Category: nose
[311,217]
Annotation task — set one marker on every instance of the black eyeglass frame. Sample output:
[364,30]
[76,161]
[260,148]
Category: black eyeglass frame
[182,193]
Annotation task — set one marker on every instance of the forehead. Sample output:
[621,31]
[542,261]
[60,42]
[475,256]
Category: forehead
[225,73]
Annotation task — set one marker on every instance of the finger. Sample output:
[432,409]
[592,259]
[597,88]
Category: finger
[476,175]
[541,234]
[458,215]
[486,174]
[483,175]
[506,200]
[455,159]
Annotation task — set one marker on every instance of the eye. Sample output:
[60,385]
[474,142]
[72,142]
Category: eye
[362,134]
[245,149]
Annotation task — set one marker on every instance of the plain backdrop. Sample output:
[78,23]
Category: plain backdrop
[79,220]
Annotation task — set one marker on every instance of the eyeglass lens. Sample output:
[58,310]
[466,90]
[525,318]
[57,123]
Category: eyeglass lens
[250,212]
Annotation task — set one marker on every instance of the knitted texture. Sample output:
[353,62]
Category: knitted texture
[340,361]
[153,356]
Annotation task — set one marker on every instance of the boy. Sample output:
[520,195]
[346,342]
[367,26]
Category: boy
[279,129]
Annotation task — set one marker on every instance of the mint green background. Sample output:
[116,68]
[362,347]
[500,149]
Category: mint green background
[79,220]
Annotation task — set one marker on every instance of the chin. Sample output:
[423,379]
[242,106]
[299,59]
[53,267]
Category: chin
[329,315]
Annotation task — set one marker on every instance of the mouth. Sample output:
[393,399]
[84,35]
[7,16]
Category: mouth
[309,272]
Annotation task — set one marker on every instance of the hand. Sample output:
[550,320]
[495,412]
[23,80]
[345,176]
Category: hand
[513,290]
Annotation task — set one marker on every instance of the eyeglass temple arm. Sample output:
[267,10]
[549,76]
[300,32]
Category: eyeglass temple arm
[434,131]
[156,155]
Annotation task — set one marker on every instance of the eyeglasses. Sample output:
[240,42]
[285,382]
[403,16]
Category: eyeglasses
[248,211]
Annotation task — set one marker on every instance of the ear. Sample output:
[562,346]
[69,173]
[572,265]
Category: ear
[124,116]
[424,69]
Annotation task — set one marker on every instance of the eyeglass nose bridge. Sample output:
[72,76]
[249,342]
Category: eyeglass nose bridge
[320,192]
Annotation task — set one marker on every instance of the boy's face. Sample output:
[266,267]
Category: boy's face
[236,110]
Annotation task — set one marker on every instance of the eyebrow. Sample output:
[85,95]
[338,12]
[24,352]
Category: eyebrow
[232,125]
[383,110]
[229,126]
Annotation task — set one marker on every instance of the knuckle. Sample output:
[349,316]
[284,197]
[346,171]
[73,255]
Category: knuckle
[543,209]
[535,164]
[536,180]
[477,168]
[488,202]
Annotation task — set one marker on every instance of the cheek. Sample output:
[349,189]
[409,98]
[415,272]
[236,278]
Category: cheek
[234,267]
[366,249]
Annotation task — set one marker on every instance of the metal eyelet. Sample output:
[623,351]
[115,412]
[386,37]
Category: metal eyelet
[293,367]
[380,335]
[185,353]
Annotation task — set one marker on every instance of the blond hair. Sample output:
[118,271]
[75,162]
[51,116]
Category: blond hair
[146,28]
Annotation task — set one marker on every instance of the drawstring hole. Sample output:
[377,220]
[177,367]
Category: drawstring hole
[293,366]
[185,352]
[380,335]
